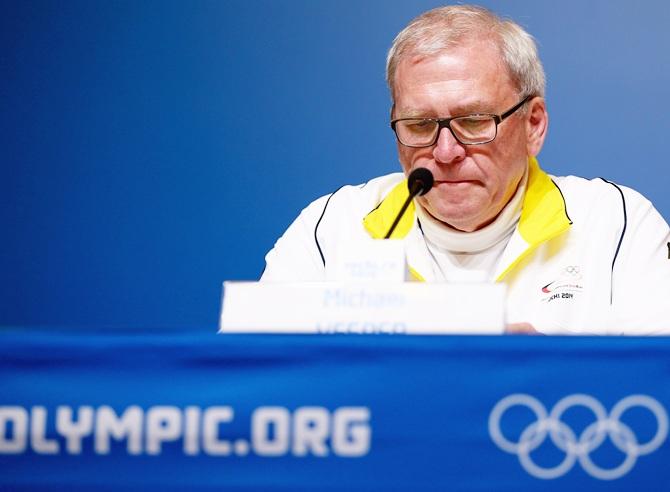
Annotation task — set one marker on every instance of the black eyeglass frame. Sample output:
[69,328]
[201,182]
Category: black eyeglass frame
[446,123]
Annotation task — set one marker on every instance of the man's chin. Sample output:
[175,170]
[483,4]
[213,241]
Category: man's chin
[455,219]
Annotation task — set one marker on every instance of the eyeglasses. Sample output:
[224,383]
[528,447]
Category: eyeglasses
[473,129]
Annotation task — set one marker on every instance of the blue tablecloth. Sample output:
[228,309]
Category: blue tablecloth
[173,410]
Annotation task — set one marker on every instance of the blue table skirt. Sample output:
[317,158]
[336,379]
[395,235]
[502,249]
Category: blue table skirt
[178,410]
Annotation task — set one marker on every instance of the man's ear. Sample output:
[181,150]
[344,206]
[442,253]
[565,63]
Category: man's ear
[537,121]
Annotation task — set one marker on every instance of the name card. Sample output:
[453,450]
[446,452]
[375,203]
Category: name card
[364,308]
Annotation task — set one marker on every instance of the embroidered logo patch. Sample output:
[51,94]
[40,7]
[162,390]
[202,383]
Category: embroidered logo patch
[567,284]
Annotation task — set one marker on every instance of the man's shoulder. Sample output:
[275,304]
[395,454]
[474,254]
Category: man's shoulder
[362,197]
[596,191]
[601,201]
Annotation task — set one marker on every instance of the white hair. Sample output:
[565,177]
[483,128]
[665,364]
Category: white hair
[444,28]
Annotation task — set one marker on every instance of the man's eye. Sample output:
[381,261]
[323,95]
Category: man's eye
[473,123]
[420,125]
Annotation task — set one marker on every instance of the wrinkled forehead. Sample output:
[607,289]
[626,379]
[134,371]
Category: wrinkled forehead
[478,61]
[473,73]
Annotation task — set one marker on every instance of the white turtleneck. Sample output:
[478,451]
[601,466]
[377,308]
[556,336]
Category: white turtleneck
[465,257]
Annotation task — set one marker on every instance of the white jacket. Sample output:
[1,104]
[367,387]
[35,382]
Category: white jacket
[587,257]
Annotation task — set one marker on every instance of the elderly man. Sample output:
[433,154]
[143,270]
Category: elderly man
[577,256]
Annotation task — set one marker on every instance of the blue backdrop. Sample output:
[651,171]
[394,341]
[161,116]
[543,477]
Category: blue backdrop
[152,149]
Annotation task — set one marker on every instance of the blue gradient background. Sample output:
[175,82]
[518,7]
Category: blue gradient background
[152,149]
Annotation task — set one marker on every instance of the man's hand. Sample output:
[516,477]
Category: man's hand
[521,329]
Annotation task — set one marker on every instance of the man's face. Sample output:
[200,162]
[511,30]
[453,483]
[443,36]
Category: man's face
[473,183]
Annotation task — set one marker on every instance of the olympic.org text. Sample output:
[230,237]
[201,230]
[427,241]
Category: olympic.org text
[274,431]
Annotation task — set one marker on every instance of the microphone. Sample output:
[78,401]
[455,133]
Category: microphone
[419,182]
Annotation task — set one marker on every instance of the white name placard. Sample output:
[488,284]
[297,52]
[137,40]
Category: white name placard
[338,307]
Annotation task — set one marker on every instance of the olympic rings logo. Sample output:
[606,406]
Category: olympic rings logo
[564,438]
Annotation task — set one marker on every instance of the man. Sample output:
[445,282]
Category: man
[577,256]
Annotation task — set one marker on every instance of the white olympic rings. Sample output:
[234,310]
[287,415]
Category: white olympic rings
[578,448]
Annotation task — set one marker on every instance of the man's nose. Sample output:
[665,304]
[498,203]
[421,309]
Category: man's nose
[447,149]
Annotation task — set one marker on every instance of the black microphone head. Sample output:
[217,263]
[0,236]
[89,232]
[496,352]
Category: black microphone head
[420,181]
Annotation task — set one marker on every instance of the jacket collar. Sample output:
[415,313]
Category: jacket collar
[543,217]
